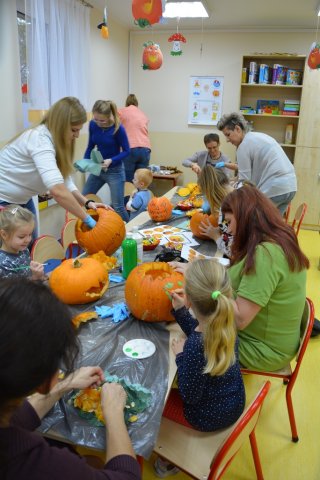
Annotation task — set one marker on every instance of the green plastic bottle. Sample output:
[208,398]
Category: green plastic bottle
[129,255]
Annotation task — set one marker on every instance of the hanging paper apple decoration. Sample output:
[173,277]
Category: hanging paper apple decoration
[152,56]
[314,56]
[176,40]
[146,12]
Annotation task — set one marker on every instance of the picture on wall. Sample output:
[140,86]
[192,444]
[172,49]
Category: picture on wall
[205,100]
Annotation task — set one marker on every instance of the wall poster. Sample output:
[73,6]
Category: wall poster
[205,100]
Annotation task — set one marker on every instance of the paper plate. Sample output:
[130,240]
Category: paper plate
[139,348]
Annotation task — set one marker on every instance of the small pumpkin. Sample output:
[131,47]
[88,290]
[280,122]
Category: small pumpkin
[152,56]
[79,281]
[160,209]
[107,235]
[147,291]
[196,220]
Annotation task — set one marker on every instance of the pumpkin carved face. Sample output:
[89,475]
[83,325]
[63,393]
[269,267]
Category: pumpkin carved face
[147,291]
[160,209]
[152,56]
[79,281]
[107,235]
[196,220]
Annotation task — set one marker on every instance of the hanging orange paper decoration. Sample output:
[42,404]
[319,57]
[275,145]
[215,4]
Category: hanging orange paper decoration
[104,25]
[146,12]
[152,56]
[314,56]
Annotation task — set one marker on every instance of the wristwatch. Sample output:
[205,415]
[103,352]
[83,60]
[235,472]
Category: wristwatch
[87,204]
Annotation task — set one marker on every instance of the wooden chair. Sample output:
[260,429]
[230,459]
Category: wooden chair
[68,239]
[47,249]
[289,374]
[94,197]
[298,217]
[207,455]
[128,189]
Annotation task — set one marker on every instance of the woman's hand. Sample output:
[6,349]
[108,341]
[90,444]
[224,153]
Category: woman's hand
[113,400]
[177,298]
[177,345]
[195,168]
[178,266]
[84,377]
[106,164]
[37,270]
[207,229]
[94,205]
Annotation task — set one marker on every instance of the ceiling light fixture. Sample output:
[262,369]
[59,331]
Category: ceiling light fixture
[185,9]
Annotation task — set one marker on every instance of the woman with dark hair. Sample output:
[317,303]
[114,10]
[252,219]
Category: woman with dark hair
[268,276]
[36,337]
[108,135]
[136,123]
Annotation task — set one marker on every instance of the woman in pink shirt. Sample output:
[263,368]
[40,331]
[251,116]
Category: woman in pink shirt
[135,123]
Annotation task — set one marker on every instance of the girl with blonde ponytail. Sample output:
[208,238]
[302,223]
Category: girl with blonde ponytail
[209,379]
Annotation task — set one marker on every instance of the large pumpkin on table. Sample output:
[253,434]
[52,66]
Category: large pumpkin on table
[160,209]
[107,235]
[196,220]
[147,291]
[79,281]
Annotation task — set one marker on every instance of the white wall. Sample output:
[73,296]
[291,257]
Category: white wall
[163,93]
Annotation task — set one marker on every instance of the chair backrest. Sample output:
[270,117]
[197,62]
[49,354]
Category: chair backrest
[46,248]
[68,233]
[239,434]
[128,188]
[298,217]
[94,197]
[306,326]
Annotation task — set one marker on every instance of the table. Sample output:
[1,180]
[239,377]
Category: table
[172,177]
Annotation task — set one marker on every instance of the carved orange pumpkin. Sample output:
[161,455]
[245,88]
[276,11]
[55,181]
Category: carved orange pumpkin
[160,209]
[196,220]
[146,12]
[79,281]
[152,56]
[107,235]
[147,291]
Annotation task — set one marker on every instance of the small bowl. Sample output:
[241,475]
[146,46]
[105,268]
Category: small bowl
[184,207]
[151,246]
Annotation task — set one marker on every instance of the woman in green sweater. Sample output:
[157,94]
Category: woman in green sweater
[268,276]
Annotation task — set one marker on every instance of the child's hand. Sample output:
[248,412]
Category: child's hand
[37,270]
[177,345]
[113,401]
[177,298]
[207,229]
[84,377]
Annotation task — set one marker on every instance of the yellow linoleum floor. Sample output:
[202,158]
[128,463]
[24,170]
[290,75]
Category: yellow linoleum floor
[281,458]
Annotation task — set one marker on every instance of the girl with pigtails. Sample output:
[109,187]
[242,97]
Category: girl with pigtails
[209,379]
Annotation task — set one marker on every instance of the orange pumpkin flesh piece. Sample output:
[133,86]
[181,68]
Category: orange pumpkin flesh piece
[107,235]
[160,209]
[196,220]
[79,281]
[147,291]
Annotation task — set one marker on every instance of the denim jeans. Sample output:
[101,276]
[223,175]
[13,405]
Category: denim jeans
[115,178]
[139,158]
[30,206]
[282,201]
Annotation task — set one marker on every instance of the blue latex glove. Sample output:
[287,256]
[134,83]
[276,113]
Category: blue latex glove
[118,312]
[89,221]
[220,165]
[206,207]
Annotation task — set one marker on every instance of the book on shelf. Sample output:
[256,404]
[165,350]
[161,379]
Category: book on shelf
[290,114]
[291,101]
[268,106]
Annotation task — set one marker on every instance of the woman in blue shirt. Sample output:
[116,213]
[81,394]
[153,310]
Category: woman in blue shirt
[110,138]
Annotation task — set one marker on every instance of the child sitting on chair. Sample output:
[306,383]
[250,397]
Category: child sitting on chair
[139,200]
[16,227]
[210,392]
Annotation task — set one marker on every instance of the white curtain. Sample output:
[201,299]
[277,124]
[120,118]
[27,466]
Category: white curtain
[57,44]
